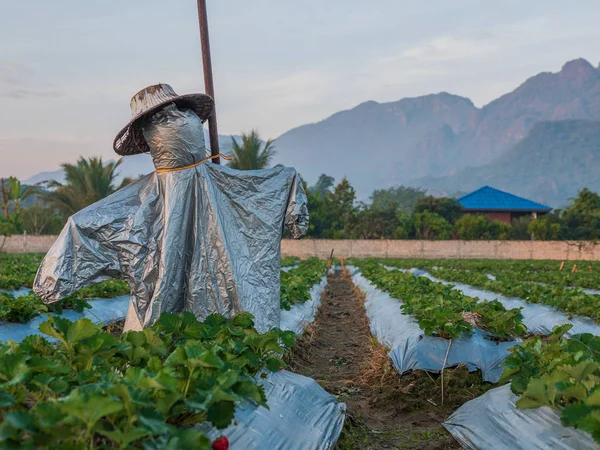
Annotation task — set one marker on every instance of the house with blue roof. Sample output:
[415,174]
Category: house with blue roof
[500,205]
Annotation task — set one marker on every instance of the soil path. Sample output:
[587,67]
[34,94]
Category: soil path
[384,410]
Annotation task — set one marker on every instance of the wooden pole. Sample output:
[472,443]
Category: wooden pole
[343,267]
[213,133]
[562,264]
[329,262]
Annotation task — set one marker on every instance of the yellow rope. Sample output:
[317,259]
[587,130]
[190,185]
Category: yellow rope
[175,169]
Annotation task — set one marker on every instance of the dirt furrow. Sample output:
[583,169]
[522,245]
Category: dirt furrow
[385,411]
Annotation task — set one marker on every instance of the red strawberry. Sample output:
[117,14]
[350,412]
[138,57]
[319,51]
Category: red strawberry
[221,443]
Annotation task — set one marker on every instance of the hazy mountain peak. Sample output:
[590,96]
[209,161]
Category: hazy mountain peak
[578,72]
[383,144]
[577,65]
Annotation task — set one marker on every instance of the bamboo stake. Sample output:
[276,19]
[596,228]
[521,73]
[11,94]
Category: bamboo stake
[562,264]
[343,267]
[574,268]
[443,366]
[330,261]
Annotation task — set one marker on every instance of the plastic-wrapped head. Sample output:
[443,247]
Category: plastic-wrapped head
[175,137]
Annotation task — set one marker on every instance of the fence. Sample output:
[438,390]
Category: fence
[558,250]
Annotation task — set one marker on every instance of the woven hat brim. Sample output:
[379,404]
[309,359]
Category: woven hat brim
[130,140]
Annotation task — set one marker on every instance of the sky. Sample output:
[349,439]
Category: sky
[68,68]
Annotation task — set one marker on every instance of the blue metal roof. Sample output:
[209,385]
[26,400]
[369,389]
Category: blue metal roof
[490,199]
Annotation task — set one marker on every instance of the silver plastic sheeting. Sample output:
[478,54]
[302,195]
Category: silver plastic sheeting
[103,310]
[17,292]
[493,422]
[538,319]
[203,239]
[301,416]
[410,349]
[301,315]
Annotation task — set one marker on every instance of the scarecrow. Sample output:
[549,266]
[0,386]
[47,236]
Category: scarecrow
[191,236]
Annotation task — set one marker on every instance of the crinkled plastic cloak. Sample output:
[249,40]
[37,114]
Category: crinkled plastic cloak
[204,239]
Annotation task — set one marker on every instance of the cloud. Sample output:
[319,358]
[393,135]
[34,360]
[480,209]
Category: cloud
[451,48]
[25,93]
[14,74]
[17,81]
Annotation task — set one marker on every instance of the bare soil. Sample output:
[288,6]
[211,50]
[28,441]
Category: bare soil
[385,411]
[115,328]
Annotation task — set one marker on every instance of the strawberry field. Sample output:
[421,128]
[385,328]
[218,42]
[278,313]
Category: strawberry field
[425,354]
[177,384]
[548,313]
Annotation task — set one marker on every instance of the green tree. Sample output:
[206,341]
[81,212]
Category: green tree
[480,227]
[375,223]
[430,225]
[41,219]
[581,220]
[252,154]
[87,181]
[13,195]
[399,198]
[520,228]
[320,218]
[322,186]
[586,202]
[448,208]
[545,228]
[342,210]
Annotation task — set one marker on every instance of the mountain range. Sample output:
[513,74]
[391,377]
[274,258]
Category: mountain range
[429,141]
[541,141]
[554,161]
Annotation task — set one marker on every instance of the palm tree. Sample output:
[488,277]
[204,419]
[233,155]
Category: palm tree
[86,182]
[13,194]
[252,154]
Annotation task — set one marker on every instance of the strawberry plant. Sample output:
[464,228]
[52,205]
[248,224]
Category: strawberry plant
[290,261]
[570,301]
[563,374]
[18,270]
[439,309]
[20,309]
[145,389]
[296,283]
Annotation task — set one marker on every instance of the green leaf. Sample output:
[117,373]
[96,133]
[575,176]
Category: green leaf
[21,420]
[581,370]
[250,390]
[273,363]
[594,398]
[89,410]
[49,414]
[124,438]
[13,369]
[574,414]
[81,329]
[136,338]
[169,323]
[6,399]
[244,320]
[178,356]
[538,393]
[153,422]
[207,359]
[221,414]
[228,379]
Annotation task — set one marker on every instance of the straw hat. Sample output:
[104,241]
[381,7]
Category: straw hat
[130,140]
